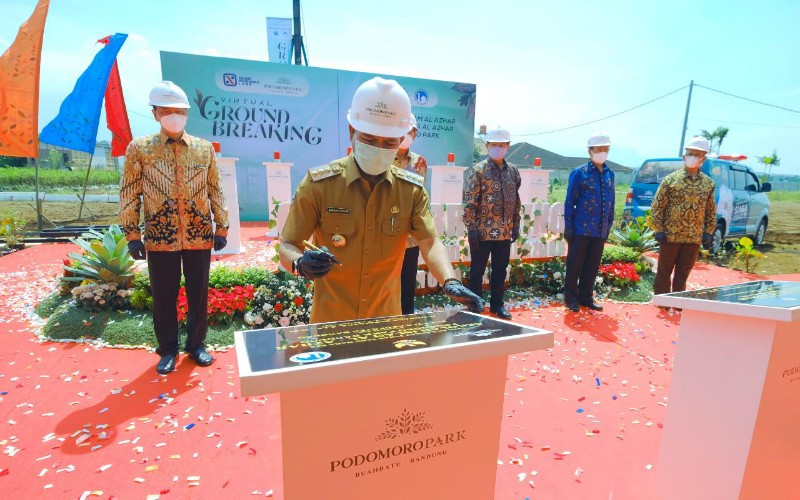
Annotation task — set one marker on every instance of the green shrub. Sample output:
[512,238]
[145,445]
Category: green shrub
[141,281]
[615,253]
[141,300]
[227,277]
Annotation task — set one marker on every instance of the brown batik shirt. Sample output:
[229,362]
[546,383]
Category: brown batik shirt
[179,184]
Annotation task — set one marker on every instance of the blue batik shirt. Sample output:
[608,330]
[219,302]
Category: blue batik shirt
[589,205]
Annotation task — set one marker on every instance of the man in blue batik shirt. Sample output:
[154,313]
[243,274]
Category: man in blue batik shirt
[588,215]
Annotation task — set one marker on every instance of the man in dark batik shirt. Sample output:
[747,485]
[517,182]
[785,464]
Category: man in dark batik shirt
[588,215]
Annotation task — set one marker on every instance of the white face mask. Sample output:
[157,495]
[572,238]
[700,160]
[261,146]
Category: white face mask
[173,123]
[407,140]
[691,161]
[497,153]
[600,157]
[373,160]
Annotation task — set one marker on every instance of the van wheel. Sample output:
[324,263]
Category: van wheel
[761,232]
[717,238]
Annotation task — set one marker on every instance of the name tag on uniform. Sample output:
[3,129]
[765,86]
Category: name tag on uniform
[334,210]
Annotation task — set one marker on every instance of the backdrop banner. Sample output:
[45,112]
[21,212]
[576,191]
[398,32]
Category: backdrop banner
[254,108]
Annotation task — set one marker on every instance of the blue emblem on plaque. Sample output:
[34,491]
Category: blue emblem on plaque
[310,357]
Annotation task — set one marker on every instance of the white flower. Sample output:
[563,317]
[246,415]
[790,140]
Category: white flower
[560,296]
[557,275]
[259,320]
[284,321]
[267,308]
[598,280]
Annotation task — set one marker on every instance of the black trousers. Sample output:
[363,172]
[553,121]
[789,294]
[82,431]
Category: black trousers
[408,280]
[583,261]
[500,252]
[679,257]
[165,282]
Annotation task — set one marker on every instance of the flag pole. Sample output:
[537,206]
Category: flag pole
[85,182]
[39,225]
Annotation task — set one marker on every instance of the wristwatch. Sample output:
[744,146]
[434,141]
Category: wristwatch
[296,266]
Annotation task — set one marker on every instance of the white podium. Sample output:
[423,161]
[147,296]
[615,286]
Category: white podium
[227,174]
[731,429]
[279,187]
[394,408]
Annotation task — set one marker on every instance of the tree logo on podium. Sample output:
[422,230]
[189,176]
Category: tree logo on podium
[406,423]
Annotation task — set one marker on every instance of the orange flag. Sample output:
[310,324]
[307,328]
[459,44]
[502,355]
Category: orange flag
[19,88]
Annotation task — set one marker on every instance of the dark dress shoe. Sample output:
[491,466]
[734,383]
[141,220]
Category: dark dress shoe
[167,364]
[201,357]
[594,306]
[502,312]
[573,307]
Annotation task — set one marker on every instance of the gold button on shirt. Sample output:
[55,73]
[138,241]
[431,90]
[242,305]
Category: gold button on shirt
[375,225]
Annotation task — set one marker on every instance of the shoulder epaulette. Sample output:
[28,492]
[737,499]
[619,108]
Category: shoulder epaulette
[317,174]
[408,176]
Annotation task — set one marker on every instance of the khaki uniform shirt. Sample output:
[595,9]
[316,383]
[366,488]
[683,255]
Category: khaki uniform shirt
[410,164]
[684,208]
[491,200]
[336,200]
[180,185]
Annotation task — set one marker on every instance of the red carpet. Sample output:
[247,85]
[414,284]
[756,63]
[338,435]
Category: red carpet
[581,421]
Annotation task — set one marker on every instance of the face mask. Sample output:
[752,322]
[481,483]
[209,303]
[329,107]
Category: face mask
[372,160]
[173,123]
[691,161]
[497,153]
[407,140]
[600,157]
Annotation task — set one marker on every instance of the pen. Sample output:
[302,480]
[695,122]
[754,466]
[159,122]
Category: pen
[392,224]
[313,247]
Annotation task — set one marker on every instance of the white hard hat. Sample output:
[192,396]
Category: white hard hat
[168,95]
[498,135]
[380,107]
[598,139]
[700,143]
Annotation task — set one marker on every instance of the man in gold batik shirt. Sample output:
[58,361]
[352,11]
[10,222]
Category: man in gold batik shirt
[683,216]
[176,177]
[363,209]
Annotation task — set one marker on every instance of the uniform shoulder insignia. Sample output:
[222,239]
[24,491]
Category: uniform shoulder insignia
[317,174]
[409,176]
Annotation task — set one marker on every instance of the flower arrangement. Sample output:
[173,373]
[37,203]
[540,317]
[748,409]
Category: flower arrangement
[620,274]
[223,303]
[101,296]
[286,303]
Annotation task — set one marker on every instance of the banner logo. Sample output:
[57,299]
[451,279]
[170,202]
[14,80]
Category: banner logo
[310,357]
[229,79]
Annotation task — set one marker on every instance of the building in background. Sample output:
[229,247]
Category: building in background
[58,157]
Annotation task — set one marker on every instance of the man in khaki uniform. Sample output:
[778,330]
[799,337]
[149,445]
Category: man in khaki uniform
[363,209]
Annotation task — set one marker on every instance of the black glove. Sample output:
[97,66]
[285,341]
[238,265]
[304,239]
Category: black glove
[568,234]
[660,237]
[461,294]
[136,249]
[515,233]
[220,242]
[473,238]
[314,264]
[707,239]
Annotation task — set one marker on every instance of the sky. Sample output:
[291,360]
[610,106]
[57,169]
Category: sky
[538,66]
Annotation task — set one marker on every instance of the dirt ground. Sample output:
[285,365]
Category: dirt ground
[782,244]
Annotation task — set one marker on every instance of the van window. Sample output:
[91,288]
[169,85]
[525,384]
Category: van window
[739,179]
[719,174]
[752,180]
[653,172]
